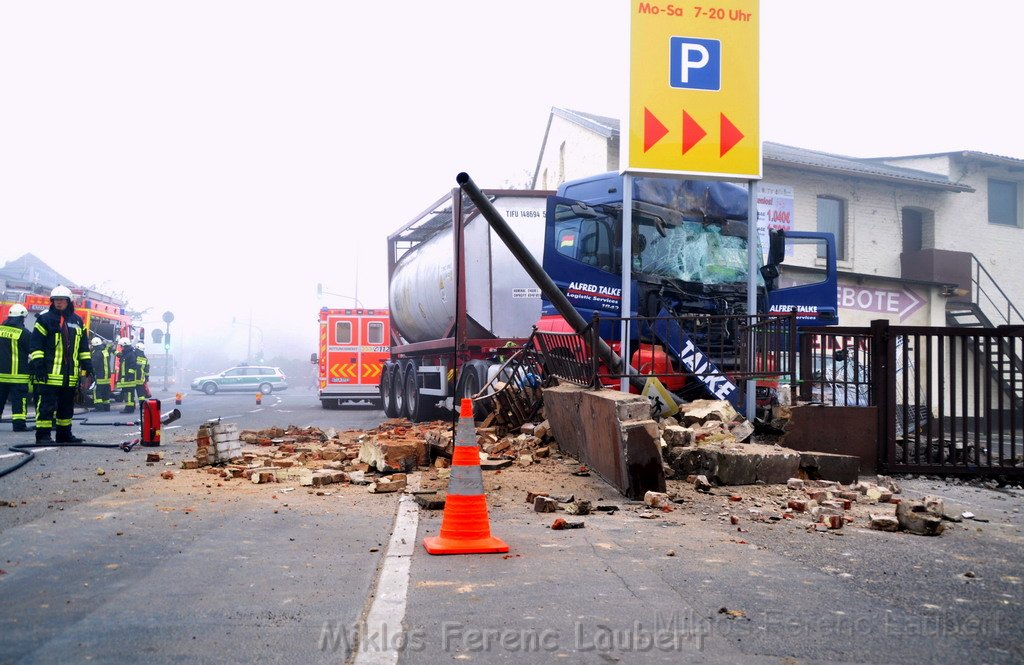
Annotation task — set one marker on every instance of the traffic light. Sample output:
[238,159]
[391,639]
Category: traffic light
[158,335]
[167,342]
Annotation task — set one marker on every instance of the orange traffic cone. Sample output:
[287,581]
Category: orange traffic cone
[177,398]
[465,528]
[259,399]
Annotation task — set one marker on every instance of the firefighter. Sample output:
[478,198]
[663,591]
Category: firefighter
[126,374]
[14,366]
[58,350]
[141,372]
[101,366]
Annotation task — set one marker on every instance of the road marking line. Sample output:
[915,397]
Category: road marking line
[391,593]
[35,450]
[255,410]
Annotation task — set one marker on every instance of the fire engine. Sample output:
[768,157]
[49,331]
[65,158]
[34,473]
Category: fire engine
[102,315]
[354,343]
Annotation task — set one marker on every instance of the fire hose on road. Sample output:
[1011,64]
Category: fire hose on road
[151,422]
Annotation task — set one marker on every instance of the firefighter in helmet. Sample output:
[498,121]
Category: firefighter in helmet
[14,366]
[58,351]
[141,372]
[126,374]
[101,366]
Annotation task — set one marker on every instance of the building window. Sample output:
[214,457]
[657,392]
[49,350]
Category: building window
[913,230]
[832,219]
[1002,202]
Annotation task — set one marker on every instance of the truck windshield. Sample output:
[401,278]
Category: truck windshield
[691,251]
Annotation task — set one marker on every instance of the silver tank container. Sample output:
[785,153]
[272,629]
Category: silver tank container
[501,298]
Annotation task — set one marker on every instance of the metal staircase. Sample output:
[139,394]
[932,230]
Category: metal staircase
[990,307]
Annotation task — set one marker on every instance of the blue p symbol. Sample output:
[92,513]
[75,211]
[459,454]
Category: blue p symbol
[695,64]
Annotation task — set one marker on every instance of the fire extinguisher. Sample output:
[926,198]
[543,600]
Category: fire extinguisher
[151,422]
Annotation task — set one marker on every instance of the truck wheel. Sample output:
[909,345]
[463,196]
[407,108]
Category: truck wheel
[414,408]
[387,390]
[398,390]
[472,378]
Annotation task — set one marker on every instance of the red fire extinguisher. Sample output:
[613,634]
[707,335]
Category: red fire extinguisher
[151,422]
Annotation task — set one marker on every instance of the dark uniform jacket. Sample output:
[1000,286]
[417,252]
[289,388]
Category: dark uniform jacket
[59,342]
[14,351]
[101,363]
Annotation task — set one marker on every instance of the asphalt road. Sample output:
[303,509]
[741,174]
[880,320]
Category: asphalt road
[125,567]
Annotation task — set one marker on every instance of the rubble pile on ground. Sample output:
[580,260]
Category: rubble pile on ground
[822,505]
[533,442]
[705,422]
[309,456]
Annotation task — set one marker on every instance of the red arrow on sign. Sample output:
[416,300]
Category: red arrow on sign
[730,136]
[692,132]
[654,130]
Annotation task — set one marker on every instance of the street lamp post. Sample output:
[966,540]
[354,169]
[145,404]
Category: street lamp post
[320,291]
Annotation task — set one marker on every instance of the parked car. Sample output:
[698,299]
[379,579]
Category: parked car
[248,378]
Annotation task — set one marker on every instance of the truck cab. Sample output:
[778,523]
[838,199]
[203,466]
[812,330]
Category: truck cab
[689,252]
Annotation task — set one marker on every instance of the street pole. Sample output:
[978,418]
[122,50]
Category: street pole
[168,317]
[167,359]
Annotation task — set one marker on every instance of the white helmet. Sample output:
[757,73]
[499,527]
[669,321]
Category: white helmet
[18,310]
[60,291]
[96,341]
[124,341]
[140,346]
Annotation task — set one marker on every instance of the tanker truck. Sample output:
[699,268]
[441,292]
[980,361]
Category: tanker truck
[476,271]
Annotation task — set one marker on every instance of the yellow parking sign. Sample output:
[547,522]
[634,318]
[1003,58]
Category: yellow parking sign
[694,89]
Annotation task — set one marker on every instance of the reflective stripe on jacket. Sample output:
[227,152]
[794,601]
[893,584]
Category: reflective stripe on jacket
[62,358]
[13,354]
[101,364]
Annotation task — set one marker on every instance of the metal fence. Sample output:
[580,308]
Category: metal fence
[835,366]
[715,351]
[953,401]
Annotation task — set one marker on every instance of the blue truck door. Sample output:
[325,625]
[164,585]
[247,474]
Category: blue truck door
[812,294]
[581,255]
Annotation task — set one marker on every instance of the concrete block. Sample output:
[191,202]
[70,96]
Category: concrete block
[611,433]
[914,517]
[830,466]
[677,435]
[744,464]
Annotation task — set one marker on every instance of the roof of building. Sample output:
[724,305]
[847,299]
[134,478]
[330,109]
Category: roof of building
[607,127]
[802,158]
[863,168]
[30,269]
[1011,163]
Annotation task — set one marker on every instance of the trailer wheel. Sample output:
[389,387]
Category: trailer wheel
[387,390]
[472,378]
[417,408]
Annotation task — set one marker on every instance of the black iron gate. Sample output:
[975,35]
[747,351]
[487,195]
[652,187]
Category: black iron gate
[949,399]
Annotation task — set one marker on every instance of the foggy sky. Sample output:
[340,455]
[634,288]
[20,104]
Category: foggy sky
[218,158]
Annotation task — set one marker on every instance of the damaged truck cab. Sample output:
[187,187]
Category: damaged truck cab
[689,241]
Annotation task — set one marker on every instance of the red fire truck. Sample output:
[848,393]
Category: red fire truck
[354,343]
[102,316]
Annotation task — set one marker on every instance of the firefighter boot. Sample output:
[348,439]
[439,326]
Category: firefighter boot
[64,435]
[43,435]
[20,426]
[128,409]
